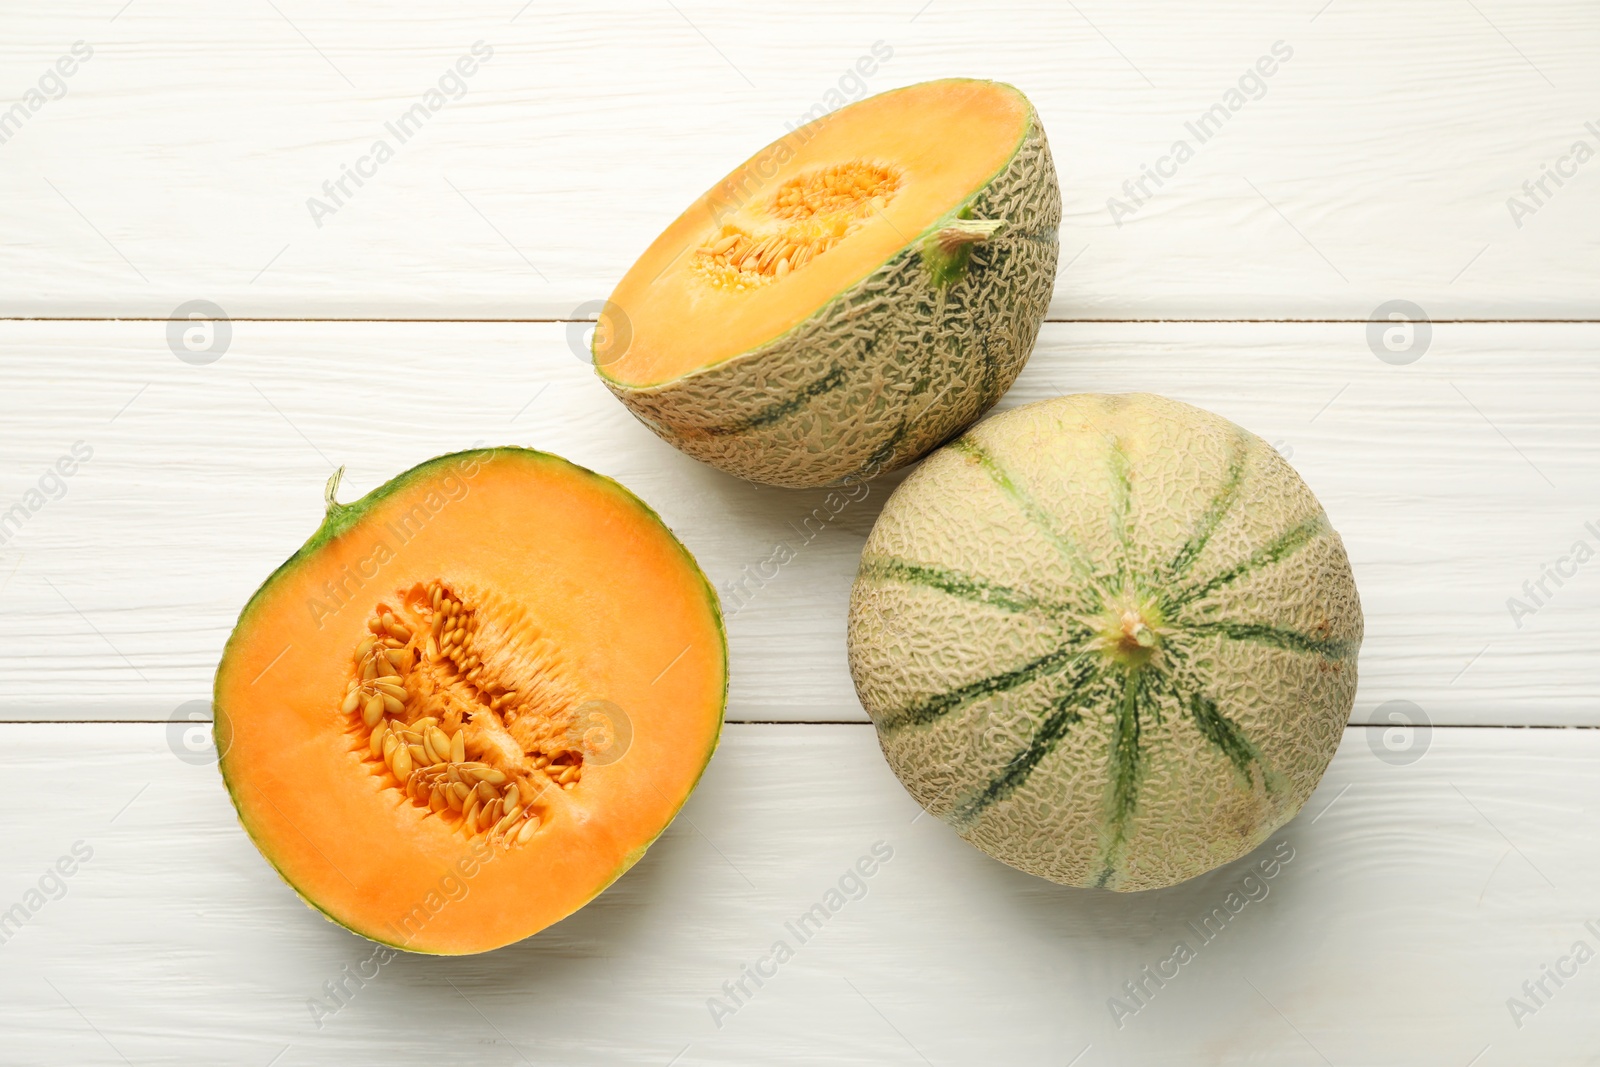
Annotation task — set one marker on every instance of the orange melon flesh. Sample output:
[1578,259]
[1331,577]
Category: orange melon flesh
[627,618]
[938,143]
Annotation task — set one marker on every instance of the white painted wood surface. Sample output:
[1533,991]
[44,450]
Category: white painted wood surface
[1454,480]
[1377,166]
[1417,900]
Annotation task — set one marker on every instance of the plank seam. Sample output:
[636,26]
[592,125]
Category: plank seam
[836,722]
[559,322]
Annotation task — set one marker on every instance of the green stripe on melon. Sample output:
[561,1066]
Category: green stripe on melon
[1110,639]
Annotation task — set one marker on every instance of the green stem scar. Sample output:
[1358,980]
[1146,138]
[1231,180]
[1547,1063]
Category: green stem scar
[947,250]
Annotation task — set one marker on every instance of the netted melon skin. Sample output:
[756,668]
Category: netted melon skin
[891,367]
[973,647]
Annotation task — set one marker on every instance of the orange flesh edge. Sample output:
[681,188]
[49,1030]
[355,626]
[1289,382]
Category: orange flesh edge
[605,581]
[946,139]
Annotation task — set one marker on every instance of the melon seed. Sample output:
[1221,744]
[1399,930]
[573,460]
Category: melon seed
[511,815]
[428,665]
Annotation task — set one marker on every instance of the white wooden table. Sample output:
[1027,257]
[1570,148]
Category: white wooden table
[1434,873]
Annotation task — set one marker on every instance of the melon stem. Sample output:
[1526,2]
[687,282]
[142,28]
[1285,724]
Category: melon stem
[1130,631]
[330,492]
[958,232]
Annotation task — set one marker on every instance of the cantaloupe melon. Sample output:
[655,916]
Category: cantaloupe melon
[471,700]
[1110,639]
[850,296]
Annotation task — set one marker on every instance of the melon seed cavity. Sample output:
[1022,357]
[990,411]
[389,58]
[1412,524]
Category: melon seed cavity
[460,703]
[809,214]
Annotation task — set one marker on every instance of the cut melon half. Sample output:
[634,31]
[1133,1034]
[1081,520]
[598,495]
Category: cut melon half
[472,700]
[850,296]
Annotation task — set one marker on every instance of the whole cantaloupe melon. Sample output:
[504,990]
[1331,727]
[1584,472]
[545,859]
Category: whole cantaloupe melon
[1110,639]
[849,297]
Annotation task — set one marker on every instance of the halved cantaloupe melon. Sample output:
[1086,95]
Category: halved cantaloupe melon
[472,700]
[850,296]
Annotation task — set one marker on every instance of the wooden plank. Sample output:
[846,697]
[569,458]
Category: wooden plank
[1454,480]
[1408,904]
[1376,162]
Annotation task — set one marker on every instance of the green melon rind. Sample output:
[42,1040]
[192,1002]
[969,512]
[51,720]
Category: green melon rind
[340,518]
[880,649]
[893,366]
